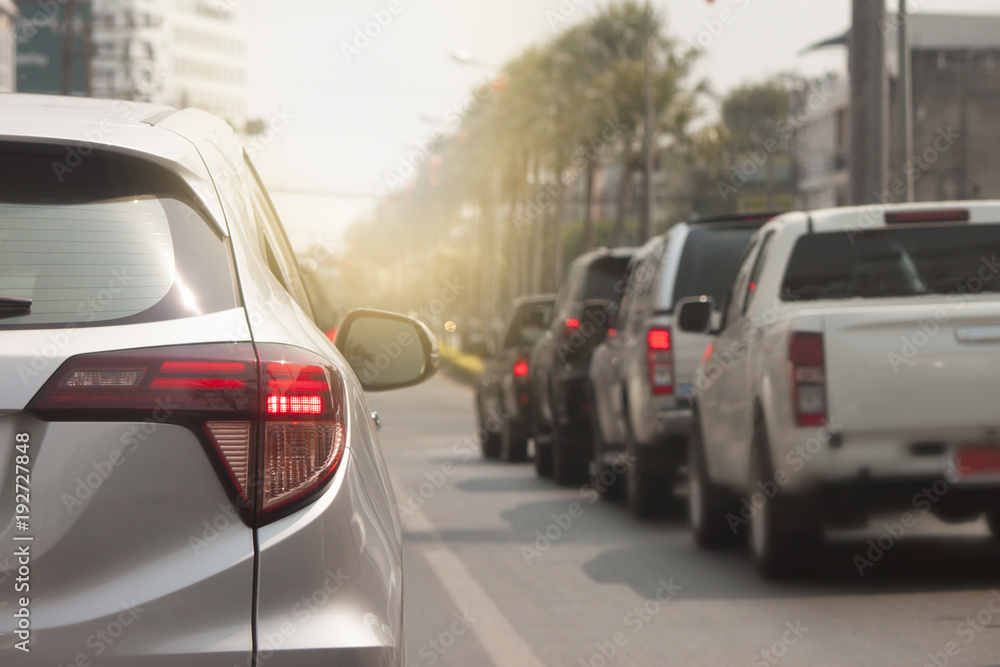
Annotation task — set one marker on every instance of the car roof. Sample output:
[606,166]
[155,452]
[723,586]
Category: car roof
[623,252]
[734,219]
[56,109]
[853,217]
[158,133]
[532,299]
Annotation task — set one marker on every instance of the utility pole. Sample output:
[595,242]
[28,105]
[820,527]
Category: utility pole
[869,126]
[646,217]
[906,100]
[69,33]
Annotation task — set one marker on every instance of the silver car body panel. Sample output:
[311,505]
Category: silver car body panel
[329,576]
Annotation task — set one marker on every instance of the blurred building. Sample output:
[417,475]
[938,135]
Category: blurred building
[8,46]
[956,125]
[184,53]
[822,142]
[53,47]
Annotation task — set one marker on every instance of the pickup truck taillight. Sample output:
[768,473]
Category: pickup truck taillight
[661,361]
[272,419]
[808,370]
[520,369]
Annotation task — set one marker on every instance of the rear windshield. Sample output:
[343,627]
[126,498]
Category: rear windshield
[710,259]
[109,240]
[894,263]
[603,278]
[528,324]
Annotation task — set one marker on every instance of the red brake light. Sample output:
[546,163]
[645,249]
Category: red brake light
[274,428]
[808,378]
[294,405]
[520,368]
[572,323]
[304,428]
[659,339]
[929,215]
[661,361]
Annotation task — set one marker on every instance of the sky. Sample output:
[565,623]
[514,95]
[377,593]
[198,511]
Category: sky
[347,107]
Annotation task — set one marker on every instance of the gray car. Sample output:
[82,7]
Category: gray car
[189,469]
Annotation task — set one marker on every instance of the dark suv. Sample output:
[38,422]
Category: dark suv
[503,396]
[584,310]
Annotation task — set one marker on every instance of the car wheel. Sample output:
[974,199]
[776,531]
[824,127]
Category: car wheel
[491,439]
[993,520]
[709,507]
[491,445]
[543,458]
[608,482]
[513,442]
[569,463]
[644,495]
[782,539]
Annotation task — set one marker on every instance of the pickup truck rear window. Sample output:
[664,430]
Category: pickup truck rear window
[112,240]
[605,279]
[528,325]
[894,263]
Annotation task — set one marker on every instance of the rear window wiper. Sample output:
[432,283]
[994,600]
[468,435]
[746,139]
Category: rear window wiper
[12,306]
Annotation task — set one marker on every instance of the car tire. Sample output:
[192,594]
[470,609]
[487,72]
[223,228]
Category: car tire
[491,445]
[569,463]
[993,521]
[543,458]
[491,439]
[710,508]
[609,483]
[783,542]
[643,494]
[513,442]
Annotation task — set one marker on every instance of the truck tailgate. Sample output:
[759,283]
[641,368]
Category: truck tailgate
[929,364]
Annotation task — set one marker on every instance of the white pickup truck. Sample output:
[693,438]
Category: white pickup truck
[856,369]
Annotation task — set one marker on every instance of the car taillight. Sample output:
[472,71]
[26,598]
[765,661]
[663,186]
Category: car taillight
[661,361]
[808,375]
[303,425]
[572,325]
[520,367]
[275,414]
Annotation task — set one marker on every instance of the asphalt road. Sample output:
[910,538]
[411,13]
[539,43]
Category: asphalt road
[504,568]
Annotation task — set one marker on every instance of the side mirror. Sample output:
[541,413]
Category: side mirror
[694,314]
[387,351]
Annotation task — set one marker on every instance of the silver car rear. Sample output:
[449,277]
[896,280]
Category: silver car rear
[188,470]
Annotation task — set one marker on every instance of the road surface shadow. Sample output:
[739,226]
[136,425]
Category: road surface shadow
[914,564]
[504,484]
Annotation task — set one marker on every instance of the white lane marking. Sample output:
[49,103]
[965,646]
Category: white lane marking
[495,633]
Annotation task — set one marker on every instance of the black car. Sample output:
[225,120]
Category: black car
[584,312]
[503,397]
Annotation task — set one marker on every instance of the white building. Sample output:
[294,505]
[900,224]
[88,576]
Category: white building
[822,143]
[8,46]
[956,82]
[185,53]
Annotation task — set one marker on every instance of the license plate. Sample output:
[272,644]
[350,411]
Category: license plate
[973,462]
